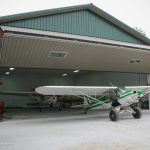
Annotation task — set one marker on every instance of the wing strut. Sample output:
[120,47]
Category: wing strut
[34,97]
[91,97]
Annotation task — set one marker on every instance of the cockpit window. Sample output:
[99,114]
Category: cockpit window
[122,88]
[113,95]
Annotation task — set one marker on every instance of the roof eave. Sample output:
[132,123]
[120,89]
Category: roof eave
[74,8]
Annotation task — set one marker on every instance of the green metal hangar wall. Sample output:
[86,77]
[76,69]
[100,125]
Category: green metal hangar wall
[80,37]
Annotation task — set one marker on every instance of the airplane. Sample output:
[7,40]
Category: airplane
[69,100]
[118,99]
[40,103]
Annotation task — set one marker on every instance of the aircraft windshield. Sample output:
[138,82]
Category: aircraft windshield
[112,95]
[121,89]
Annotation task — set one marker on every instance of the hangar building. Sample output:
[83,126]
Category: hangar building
[44,45]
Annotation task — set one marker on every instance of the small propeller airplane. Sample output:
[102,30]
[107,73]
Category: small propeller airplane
[40,103]
[118,99]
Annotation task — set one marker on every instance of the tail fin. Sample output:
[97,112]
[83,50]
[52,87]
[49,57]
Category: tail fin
[86,100]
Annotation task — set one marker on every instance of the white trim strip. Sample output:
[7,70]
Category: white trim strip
[72,36]
[75,42]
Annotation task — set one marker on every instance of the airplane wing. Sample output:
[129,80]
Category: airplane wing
[143,88]
[20,93]
[73,90]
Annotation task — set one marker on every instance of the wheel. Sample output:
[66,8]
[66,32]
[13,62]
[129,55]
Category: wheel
[113,115]
[138,114]
[41,109]
[64,105]
[59,109]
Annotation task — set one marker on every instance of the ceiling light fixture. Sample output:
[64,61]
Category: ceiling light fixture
[64,74]
[7,73]
[76,71]
[11,68]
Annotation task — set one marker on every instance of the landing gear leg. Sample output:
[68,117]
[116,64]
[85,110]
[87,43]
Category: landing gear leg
[136,112]
[41,109]
[51,105]
[86,111]
[59,109]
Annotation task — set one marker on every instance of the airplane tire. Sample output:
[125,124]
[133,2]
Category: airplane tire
[138,114]
[113,115]
[59,109]
[51,105]
[41,109]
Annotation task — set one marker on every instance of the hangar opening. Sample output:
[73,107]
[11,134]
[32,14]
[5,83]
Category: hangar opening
[20,80]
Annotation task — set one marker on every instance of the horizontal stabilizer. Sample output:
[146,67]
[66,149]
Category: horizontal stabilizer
[19,93]
[77,106]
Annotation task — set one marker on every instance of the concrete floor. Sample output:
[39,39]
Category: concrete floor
[30,129]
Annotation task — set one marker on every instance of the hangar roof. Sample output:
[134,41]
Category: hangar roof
[91,7]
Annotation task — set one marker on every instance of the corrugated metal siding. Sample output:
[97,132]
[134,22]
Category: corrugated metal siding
[1,43]
[116,78]
[83,22]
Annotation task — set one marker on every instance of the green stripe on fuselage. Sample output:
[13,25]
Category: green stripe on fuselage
[97,102]
[103,100]
[137,90]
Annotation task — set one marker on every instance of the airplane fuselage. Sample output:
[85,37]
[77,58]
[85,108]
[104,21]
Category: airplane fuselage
[126,99]
[129,97]
[48,100]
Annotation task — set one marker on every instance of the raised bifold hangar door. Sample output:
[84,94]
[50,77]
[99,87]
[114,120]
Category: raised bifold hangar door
[32,48]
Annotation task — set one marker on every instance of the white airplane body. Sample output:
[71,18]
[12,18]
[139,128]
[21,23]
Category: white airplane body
[113,98]
[40,103]
[47,100]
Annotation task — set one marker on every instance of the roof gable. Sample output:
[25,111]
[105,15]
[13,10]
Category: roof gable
[83,20]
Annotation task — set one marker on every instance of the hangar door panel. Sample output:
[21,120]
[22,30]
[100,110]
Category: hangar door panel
[116,78]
